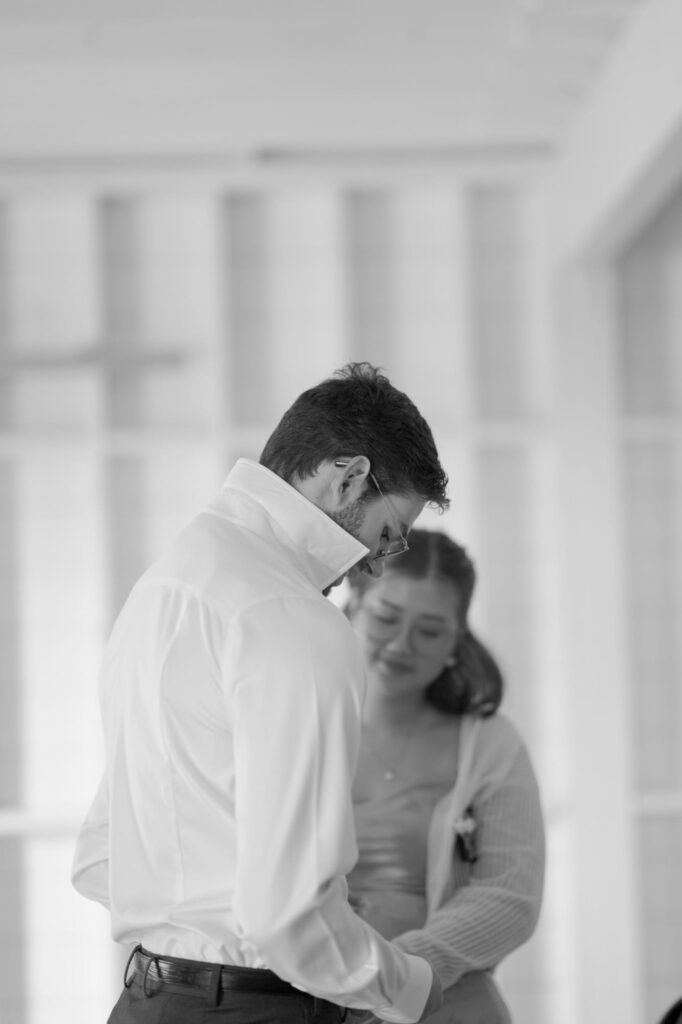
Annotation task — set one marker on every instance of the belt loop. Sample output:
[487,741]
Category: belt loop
[152,960]
[126,983]
[214,986]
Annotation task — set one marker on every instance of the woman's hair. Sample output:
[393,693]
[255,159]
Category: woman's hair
[358,411]
[474,684]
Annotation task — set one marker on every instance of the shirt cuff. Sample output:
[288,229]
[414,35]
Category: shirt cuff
[409,1006]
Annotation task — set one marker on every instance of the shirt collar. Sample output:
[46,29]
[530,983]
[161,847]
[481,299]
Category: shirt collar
[325,550]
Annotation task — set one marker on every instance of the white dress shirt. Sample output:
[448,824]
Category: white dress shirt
[231,694]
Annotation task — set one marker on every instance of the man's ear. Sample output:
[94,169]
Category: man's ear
[335,484]
[349,479]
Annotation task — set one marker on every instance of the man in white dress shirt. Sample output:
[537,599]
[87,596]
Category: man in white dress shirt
[231,692]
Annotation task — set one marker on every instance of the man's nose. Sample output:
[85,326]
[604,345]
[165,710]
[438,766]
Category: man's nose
[374,567]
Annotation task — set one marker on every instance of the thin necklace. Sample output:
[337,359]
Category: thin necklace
[390,768]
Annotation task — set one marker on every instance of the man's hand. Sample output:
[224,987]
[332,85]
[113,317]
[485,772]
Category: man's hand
[361,1017]
[433,1003]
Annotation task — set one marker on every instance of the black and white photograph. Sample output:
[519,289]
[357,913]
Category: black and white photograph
[340,512]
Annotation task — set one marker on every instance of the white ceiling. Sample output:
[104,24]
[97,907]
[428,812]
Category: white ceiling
[225,76]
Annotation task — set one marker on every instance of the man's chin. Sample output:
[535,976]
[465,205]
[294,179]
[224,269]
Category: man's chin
[336,583]
[355,570]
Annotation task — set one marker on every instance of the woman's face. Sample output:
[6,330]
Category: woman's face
[407,628]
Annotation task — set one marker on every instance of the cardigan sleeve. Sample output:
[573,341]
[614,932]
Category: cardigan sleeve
[496,909]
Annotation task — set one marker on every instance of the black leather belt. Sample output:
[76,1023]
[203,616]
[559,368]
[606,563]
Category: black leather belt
[157,972]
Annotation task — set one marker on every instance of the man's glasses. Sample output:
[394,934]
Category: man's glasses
[391,547]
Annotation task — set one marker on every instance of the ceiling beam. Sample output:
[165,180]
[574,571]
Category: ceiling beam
[622,157]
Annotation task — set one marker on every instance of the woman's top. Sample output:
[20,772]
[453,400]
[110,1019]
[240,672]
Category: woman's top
[388,884]
[412,879]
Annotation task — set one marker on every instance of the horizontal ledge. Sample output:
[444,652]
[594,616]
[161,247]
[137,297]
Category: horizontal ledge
[500,434]
[651,428]
[271,167]
[112,356]
[27,824]
[276,157]
[661,802]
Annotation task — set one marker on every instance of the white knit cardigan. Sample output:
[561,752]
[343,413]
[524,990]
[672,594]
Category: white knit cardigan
[478,913]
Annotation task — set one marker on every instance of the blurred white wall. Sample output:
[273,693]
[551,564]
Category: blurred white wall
[157,315]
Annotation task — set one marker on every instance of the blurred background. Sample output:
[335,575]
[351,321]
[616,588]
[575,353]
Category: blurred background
[208,205]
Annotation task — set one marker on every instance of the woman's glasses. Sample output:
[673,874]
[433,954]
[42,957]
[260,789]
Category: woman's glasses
[425,637]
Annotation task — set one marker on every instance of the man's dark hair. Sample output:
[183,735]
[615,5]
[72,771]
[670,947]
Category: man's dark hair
[357,411]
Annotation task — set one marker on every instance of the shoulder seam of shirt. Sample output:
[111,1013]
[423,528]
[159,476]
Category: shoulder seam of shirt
[148,583]
[189,588]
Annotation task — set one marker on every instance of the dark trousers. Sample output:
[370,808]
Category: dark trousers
[149,1000]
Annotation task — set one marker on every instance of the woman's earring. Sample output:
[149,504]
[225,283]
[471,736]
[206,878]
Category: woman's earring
[451,661]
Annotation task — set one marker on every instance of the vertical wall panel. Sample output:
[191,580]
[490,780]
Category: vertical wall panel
[53,310]
[121,302]
[673,276]
[55,341]
[183,371]
[605,940]
[12,881]
[246,273]
[60,563]
[508,485]
[652,509]
[535,278]
[369,251]
[497,265]
[11,776]
[537,979]
[515,501]
[5,325]
[13,967]
[119,294]
[10,759]
[177,484]
[649,277]
[54,313]
[127,530]
[285,298]
[504,556]
[180,366]
[650,364]
[660,907]
[62,933]
[430,334]
[430,294]
[53,338]
[51,303]
[306,292]
[12,874]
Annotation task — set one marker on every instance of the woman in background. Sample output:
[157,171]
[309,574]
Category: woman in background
[448,817]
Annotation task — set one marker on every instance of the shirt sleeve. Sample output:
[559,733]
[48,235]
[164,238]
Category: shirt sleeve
[90,869]
[496,909]
[294,679]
